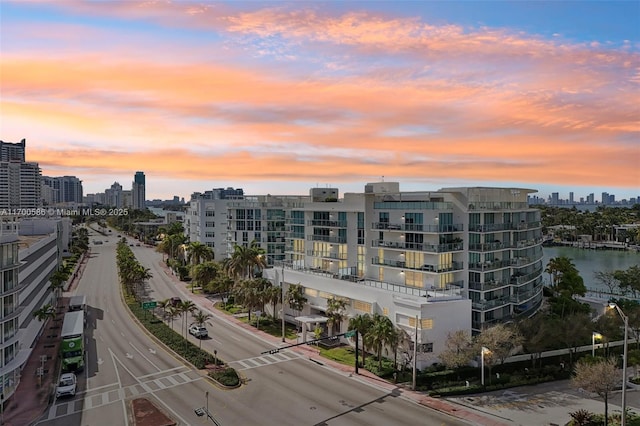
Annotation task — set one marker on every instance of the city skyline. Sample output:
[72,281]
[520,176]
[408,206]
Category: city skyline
[280,98]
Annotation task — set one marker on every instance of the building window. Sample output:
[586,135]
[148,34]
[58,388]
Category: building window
[363,306]
[427,324]
[425,347]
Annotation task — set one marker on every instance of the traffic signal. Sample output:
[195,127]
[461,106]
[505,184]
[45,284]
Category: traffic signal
[274,351]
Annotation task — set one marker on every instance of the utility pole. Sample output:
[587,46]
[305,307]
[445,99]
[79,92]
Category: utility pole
[415,355]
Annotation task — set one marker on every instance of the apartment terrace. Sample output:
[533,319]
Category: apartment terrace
[451,289]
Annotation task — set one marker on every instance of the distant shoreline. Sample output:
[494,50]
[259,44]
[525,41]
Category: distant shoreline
[594,245]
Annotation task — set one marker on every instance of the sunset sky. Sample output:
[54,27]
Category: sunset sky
[279,97]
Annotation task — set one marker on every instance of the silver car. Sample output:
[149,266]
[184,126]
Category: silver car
[66,385]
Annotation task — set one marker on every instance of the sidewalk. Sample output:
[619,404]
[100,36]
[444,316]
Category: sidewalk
[455,410]
[34,394]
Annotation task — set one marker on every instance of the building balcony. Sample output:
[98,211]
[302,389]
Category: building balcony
[417,227]
[509,226]
[453,266]
[489,285]
[429,248]
[328,223]
[489,266]
[486,305]
[327,255]
[489,247]
[327,239]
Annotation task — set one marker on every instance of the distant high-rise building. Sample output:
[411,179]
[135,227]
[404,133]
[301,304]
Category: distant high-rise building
[571,197]
[20,182]
[20,186]
[591,199]
[605,198]
[61,189]
[555,198]
[12,151]
[138,191]
[113,196]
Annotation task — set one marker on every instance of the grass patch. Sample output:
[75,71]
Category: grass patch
[226,377]
[230,309]
[273,327]
[342,354]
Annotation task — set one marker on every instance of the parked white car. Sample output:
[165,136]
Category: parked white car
[198,331]
[66,385]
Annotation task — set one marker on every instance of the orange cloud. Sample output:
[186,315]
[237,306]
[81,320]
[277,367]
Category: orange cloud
[480,105]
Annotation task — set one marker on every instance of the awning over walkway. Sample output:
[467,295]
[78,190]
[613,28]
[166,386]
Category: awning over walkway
[312,319]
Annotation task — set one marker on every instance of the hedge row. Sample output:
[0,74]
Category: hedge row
[196,356]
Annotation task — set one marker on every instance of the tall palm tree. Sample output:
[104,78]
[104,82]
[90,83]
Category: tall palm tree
[247,294]
[164,306]
[380,334]
[200,318]
[362,323]
[273,295]
[336,312]
[295,297]
[245,260]
[57,280]
[172,313]
[198,252]
[185,307]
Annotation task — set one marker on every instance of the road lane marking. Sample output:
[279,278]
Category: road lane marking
[124,405]
[265,360]
[143,356]
[182,367]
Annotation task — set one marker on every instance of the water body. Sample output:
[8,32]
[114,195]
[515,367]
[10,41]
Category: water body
[590,261]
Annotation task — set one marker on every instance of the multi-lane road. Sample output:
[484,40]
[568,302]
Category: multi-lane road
[124,363]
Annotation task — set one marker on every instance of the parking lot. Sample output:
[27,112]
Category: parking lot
[543,405]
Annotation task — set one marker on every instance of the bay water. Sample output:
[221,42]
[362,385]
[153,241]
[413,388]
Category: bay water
[588,262]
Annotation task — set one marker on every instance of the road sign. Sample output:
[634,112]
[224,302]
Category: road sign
[351,333]
[149,305]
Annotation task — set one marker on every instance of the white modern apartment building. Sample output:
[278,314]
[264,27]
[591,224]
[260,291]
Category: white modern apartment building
[206,218]
[30,250]
[456,258]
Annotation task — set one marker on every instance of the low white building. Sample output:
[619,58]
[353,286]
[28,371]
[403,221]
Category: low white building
[437,313]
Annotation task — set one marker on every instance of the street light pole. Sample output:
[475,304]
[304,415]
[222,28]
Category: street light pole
[594,336]
[624,363]
[282,300]
[482,352]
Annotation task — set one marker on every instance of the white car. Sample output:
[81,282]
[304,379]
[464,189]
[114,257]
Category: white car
[198,331]
[66,385]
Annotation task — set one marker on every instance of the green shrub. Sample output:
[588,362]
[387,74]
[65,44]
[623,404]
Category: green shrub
[226,377]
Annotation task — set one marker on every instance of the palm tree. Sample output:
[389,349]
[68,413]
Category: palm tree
[57,280]
[198,252]
[172,313]
[380,334]
[295,297]
[247,293]
[336,312]
[200,318]
[44,313]
[246,260]
[204,273]
[361,323]
[164,306]
[184,307]
[273,295]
